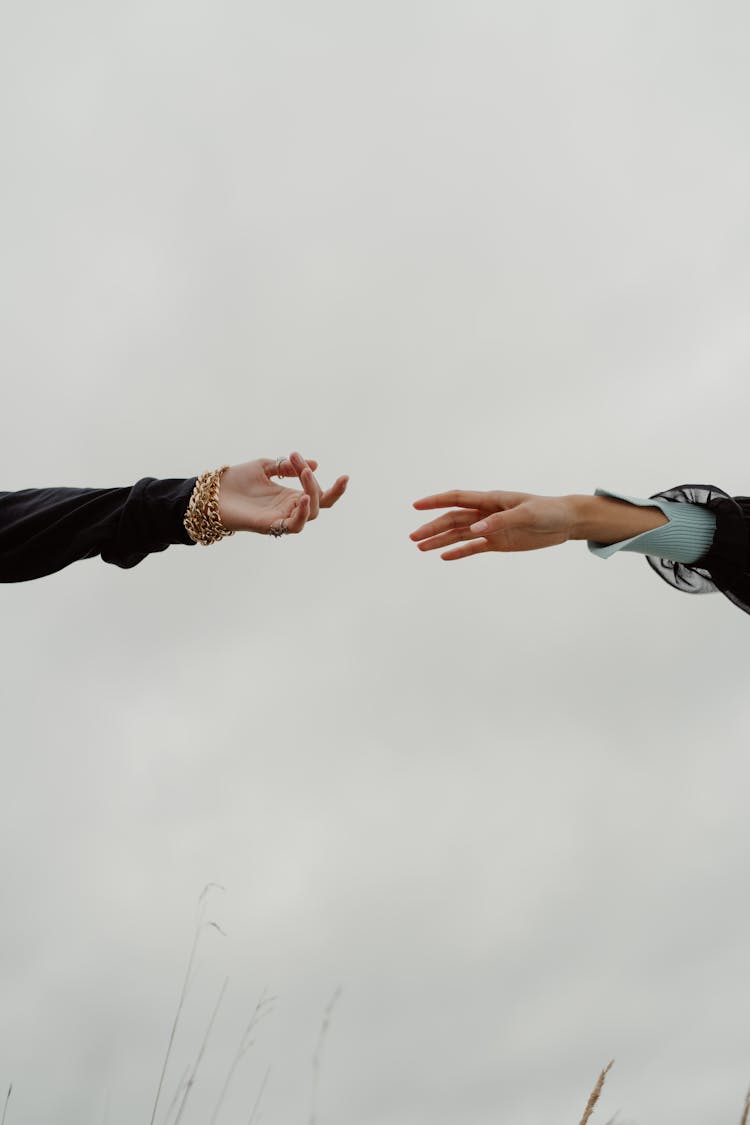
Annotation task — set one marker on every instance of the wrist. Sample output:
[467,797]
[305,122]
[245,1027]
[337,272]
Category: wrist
[583,516]
[602,519]
[202,520]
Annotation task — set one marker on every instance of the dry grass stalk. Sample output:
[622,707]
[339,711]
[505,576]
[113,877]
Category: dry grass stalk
[595,1093]
[199,924]
[7,1099]
[317,1057]
[263,1008]
[191,1080]
[746,1110]
[260,1096]
[177,1095]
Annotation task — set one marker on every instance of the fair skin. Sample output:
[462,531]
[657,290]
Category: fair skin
[519,521]
[251,500]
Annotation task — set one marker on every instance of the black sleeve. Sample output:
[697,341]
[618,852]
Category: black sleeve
[43,530]
[725,565]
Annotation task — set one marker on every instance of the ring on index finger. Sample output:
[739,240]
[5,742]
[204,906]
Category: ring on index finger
[278,529]
[278,472]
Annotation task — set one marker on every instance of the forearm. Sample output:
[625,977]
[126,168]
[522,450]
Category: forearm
[44,530]
[702,546]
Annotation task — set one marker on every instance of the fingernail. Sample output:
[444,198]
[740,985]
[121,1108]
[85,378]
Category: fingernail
[479,527]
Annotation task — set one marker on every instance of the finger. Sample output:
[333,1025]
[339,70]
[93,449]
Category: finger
[283,467]
[458,535]
[508,520]
[334,493]
[456,498]
[299,516]
[477,547]
[312,489]
[461,518]
[277,467]
[487,525]
[300,463]
[290,471]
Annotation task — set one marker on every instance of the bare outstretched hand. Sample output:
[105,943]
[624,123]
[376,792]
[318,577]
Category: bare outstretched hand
[493,521]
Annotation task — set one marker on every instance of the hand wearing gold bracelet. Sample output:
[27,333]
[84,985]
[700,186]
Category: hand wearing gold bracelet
[247,498]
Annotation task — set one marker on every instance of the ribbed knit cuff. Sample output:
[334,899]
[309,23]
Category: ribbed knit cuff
[687,536]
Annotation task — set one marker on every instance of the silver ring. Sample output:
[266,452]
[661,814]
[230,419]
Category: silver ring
[279,463]
[278,529]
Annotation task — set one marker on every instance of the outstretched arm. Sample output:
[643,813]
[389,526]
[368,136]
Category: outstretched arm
[43,530]
[695,536]
[520,521]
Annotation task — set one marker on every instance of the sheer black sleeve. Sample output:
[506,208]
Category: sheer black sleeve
[725,566]
[43,530]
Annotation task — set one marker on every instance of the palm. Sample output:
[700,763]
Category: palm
[250,500]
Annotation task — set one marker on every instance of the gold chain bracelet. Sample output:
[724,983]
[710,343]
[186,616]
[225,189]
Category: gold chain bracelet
[202,520]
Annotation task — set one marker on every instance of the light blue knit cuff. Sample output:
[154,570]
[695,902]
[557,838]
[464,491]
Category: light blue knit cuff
[687,536]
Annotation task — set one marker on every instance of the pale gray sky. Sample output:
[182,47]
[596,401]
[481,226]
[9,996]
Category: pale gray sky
[502,802]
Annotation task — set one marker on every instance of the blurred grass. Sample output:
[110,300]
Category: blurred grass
[264,1007]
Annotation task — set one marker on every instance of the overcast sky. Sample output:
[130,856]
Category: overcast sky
[501,803]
